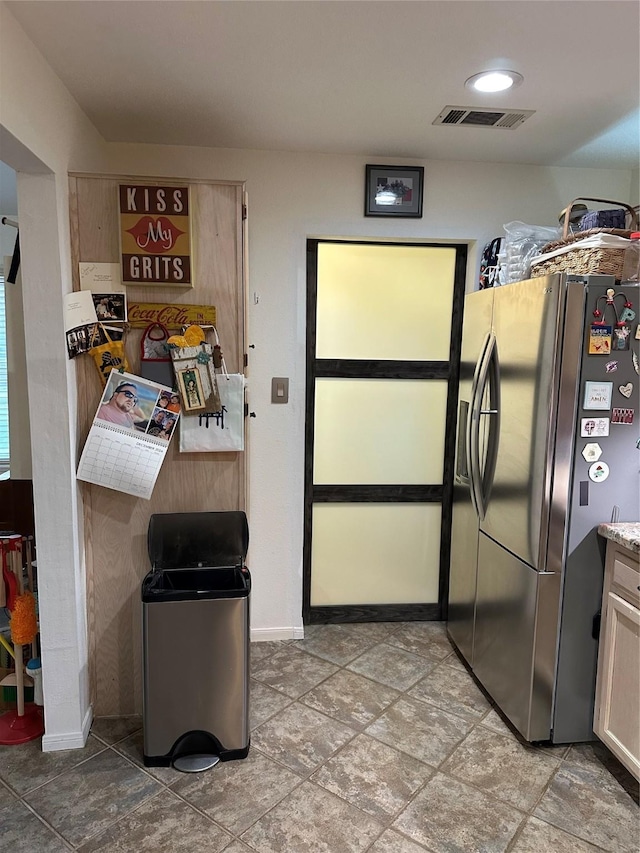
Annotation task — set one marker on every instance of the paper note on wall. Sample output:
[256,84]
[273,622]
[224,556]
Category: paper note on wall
[101,278]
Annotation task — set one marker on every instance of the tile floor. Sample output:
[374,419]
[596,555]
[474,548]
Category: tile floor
[366,737]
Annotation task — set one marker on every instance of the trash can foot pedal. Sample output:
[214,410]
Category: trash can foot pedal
[195,763]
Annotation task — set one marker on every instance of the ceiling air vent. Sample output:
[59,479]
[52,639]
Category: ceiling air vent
[483,117]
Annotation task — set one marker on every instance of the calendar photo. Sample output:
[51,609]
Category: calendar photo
[130,434]
[129,402]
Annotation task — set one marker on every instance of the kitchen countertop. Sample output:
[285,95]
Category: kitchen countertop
[625,534]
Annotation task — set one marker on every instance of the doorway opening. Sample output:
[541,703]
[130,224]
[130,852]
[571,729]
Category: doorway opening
[16,491]
[383,351]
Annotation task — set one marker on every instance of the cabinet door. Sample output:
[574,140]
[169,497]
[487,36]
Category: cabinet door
[618,699]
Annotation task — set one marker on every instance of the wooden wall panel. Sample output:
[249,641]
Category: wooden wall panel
[115,524]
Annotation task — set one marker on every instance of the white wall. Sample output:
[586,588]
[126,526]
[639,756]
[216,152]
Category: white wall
[634,198]
[295,196]
[43,135]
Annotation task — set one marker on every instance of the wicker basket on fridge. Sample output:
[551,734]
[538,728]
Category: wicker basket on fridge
[580,260]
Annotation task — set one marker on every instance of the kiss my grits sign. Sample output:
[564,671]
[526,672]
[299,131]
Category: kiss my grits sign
[155,235]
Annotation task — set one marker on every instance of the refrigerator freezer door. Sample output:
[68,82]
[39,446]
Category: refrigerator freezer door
[514,650]
[462,581]
[527,323]
[464,534]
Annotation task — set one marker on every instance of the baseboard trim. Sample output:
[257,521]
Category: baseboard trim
[291,633]
[69,740]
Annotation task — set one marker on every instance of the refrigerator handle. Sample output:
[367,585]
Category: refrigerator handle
[473,425]
[493,377]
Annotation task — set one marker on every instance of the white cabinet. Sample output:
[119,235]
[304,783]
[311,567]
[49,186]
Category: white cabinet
[617,711]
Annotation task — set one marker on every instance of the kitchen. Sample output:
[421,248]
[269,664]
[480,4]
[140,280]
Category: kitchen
[464,198]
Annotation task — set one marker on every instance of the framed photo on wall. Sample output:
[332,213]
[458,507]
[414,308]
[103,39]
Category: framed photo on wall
[394,191]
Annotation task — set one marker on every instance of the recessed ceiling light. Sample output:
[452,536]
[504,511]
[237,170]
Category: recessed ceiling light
[494,81]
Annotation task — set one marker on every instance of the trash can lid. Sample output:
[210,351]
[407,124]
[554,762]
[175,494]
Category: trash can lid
[177,540]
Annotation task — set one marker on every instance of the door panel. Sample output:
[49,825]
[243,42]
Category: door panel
[515,516]
[379,431]
[185,481]
[383,326]
[381,301]
[370,553]
[619,682]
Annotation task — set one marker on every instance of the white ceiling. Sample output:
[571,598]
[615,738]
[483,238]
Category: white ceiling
[357,77]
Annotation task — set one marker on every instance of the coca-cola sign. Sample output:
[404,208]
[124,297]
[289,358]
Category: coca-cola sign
[155,234]
[173,316]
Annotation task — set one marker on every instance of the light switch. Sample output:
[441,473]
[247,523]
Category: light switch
[279,389]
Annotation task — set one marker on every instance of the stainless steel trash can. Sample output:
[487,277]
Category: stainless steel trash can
[195,603]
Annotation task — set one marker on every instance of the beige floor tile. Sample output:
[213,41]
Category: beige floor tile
[338,644]
[87,799]
[454,661]
[350,698]
[133,748]
[311,820]
[238,847]
[501,766]
[112,729]
[596,757]
[163,823]
[264,702]
[539,837]
[374,777]
[22,832]
[292,672]
[392,842]
[263,649]
[7,796]
[301,738]
[447,815]
[497,722]
[423,638]
[26,766]
[454,691]
[420,730]
[392,666]
[237,793]
[592,806]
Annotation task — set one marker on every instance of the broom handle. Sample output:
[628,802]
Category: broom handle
[16,565]
[16,559]
[19,678]
[28,540]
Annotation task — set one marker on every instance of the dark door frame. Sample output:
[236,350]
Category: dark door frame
[401,493]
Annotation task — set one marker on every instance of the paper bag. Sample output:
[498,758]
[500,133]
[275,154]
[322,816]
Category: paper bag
[223,430]
[108,356]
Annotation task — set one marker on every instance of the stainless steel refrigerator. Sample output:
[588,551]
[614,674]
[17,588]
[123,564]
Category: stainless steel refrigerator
[537,390]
